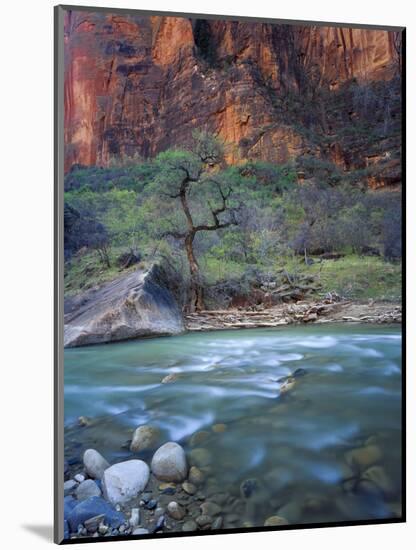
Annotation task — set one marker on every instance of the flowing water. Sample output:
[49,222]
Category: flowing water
[294,446]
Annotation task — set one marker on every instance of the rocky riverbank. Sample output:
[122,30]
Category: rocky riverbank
[332,309]
[164,487]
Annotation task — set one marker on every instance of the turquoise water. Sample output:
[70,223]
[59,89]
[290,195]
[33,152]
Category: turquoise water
[295,445]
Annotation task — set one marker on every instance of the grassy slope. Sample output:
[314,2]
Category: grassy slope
[355,277]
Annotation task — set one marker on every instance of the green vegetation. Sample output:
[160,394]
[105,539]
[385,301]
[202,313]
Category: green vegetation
[230,226]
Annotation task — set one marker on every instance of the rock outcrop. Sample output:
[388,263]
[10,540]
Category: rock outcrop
[138,85]
[134,305]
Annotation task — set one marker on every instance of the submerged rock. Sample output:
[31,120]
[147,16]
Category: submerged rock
[210,509]
[200,457]
[144,437]
[131,306]
[189,488]
[169,463]
[196,477]
[275,521]
[378,477]
[219,428]
[170,378]
[125,480]
[94,463]
[189,525]
[198,438]
[364,456]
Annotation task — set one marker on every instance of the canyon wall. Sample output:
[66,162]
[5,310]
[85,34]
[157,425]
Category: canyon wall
[138,85]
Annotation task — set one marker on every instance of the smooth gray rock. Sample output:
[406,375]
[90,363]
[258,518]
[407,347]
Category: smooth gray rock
[169,463]
[94,463]
[125,480]
[69,487]
[131,306]
[87,489]
[144,437]
[175,510]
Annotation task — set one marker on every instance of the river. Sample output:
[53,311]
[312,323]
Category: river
[295,447]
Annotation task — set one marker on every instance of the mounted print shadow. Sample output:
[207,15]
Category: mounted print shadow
[230,194]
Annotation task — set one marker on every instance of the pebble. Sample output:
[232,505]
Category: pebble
[80,478]
[92,524]
[274,521]
[140,531]
[204,520]
[70,486]
[189,488]
[195,476]
[217,523]
[167,488]
[134,517]
[219,428]
[175,510]
[102,529]
[189,525]
[210,509]
[151,505]
[159,524]
[159,512]
[84,421]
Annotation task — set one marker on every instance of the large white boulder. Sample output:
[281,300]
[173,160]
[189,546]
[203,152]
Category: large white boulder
[125,480]
[169,463]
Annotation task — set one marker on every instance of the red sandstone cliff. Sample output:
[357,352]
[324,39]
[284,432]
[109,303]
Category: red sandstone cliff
[138,85]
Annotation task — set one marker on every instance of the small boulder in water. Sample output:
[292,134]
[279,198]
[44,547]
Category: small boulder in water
[94,463]
[145,437]
[219,428]
[364,456]
[169,463]
[196,477]
[170,378]
[198,438]
[299,372]
[200,457]
[125,480]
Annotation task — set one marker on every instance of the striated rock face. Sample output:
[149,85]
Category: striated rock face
[134,305]
[137,85]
